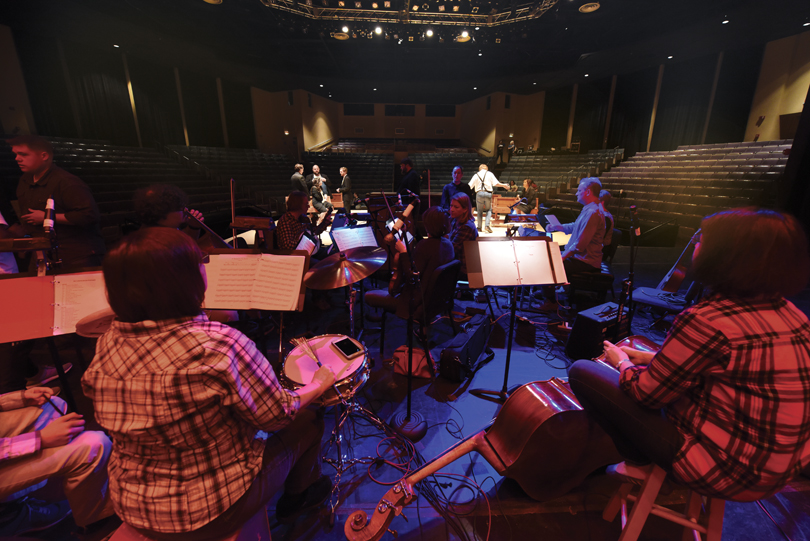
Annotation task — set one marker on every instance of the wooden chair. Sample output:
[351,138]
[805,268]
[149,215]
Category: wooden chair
[644,505]
[255,529]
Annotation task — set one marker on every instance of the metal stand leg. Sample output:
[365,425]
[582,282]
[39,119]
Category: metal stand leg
[57,362]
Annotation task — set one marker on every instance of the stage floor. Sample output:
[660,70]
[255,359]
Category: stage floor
[496,509]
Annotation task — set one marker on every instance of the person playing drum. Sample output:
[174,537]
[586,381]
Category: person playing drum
[184,399]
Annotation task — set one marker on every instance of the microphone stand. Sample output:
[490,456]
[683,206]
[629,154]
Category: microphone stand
[413,425]
[626,296]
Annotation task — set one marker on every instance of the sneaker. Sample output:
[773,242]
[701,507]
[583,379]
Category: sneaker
[291,506]
[46,374]
[32,515]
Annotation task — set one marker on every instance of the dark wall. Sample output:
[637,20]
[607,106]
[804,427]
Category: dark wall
[632,107]
[156,103]
[555,117]
[735,93]
[239,115]
[591,114]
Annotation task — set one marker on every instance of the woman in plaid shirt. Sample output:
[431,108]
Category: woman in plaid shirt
[184,400]
[724,406]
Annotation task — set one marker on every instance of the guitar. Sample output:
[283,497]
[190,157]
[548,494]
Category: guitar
[674,278]
[541,438]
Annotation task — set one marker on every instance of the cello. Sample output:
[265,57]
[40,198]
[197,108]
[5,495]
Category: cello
[541,438]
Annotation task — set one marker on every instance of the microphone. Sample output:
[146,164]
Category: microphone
[522,201]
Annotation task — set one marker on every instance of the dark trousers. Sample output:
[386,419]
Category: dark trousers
[292,460]
[642,435]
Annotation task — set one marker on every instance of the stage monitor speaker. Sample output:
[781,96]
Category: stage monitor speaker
[592,327]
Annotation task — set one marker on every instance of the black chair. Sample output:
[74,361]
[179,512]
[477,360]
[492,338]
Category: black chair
[439,297]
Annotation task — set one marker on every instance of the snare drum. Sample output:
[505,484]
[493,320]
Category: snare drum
[350,374]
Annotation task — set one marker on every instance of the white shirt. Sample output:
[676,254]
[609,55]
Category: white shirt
[485,180]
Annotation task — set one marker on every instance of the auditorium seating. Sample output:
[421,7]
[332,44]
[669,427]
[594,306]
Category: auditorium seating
[692,181]
[549,170]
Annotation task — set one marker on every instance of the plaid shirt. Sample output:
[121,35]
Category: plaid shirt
[459,232]
[183,400]
[289,230]
[734,377]
[22,444]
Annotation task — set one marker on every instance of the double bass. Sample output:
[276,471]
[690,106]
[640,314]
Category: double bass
[541,438]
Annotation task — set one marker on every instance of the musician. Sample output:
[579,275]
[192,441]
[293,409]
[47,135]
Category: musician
[455,186]
[165,205]
[316,174]
[429,254]
[320,200]
[186,462]
[530,194]
[723,406]
[583,252]
[299,183]
[482,184]
[77,216]
[410,178]
[462,227]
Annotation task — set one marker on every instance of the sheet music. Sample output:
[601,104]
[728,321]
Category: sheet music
[254,281]
[347,238]
[306,244]
[76,296]
[512,263]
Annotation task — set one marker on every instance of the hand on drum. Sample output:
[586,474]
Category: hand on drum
[324,377]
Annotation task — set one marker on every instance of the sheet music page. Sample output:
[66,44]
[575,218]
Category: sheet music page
[278,282]
[497,264]
[76,296]
[347,238]
[535,267]
[230,281]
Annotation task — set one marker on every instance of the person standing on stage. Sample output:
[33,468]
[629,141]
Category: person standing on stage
[410,178]
[454,187]
[299,183]
[482,185]
[77,220]
[510,150]
[346,189]
[499,159]
[316,174]
[723,405]
[188,462]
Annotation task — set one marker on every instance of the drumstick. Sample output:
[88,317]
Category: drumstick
[309,351]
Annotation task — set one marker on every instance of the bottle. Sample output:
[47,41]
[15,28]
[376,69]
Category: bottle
[50,217]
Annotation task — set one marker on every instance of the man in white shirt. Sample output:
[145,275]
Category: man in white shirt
[482,185]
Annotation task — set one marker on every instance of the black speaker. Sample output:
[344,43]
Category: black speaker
[592,327]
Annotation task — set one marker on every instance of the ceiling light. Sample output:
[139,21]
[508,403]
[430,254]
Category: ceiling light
[725,22]
[806,24]
[480,54]
[441,8]
[375,5]
[341,4]
[429,33]
[586,75]
[375,90]
[358,5]
[321,86]
[410,38]
[345,29]
[455,8]
[477,28]
[213,1]
[387,3]
[534,83]
[497,40]
[415,7]
[670,57]
[116,46]
[590,7]
[425,7]
[465,34]
[378,30]
[341,36]
[286,132]
[475,88]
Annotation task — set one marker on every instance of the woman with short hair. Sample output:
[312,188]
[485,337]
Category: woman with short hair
[184,398]
[724,405]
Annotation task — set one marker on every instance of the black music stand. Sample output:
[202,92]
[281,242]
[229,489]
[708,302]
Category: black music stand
[527,261]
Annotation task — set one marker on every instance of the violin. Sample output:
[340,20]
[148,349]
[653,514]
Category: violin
[674,278]
[541,437]
[395,239]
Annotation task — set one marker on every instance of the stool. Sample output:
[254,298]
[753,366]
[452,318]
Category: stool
[255,529]
[644,504]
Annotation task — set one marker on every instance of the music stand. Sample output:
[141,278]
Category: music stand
[527,261]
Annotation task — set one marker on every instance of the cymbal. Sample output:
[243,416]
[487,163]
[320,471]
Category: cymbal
[344,268]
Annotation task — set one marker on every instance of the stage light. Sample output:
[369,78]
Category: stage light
[375,90]
[378,30]
[497,40]
[475,88]
[670,57]
[410,38]
[441,8]
[321,86]
[465,34]
[480,54]
[345,29]
[415,7]
[213,1]
[374,5]
[341,4]
[455,8]
[358,5]
[429,33]
[286,132]
[586,75]
[477,28]
[116,46]
[590,7]
[806,24]
[725,21]
[425,7]
[534,84]
[387,3]
[309,3]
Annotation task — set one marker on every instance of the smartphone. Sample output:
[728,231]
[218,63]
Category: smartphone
[348,348]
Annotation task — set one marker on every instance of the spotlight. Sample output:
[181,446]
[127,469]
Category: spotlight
[441,8]
[415,7]
[480,54]
[475,10]
[375,90]
[425,7]
[378,30]
[387,3]
[429,33]
[358,5]
[286,132]
[309,3]
[345,29]
[497,40]
[465,34]
[590,7]
[341,4]
[374,5]
[455,8]
[410,38]
[534,84]
[806,24]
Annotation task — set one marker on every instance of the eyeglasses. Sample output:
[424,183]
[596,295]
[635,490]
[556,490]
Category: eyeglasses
[204,258]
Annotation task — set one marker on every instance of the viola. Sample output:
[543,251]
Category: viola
[674,278]
[541,437]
